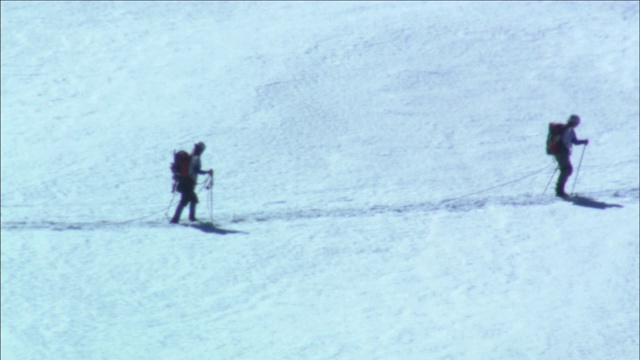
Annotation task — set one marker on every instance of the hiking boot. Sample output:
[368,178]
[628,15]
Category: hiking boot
[562,194]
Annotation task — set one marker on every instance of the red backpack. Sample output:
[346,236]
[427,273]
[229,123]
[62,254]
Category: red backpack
[180,165]
[554,138]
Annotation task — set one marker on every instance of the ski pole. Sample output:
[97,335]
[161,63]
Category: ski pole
[211,199]
[551,178]
[578,171]
[170,203]
[211,205]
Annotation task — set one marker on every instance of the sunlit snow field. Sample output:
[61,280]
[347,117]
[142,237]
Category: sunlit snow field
[379,189]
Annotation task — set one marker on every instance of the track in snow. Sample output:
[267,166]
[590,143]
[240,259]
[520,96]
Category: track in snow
[464,204]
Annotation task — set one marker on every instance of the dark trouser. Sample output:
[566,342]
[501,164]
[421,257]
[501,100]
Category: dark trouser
[186,187]
[564,164]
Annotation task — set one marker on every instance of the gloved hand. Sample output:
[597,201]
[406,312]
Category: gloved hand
[585,141]
[210,172]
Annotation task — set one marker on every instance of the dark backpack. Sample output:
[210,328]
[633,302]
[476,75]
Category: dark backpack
[554,138]
[180,164]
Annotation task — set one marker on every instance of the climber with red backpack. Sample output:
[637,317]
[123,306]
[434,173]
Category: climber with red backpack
[560,141]
[186,168]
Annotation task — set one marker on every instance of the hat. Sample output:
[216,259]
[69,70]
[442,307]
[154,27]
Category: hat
[200,146]
[574,119]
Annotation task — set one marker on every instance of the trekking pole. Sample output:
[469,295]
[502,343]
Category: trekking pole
[551,178]
[578,171]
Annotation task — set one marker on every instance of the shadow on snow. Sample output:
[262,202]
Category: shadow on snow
[211,228]
[591,203]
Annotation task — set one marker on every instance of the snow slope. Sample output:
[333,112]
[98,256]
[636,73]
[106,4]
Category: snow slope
[378,189]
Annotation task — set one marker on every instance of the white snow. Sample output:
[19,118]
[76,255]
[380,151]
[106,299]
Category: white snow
[379,178]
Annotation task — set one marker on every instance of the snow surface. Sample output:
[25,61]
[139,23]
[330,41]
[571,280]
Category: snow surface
[378,189]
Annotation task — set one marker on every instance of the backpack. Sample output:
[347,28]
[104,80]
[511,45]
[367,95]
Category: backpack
[180,164]
[554,138]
